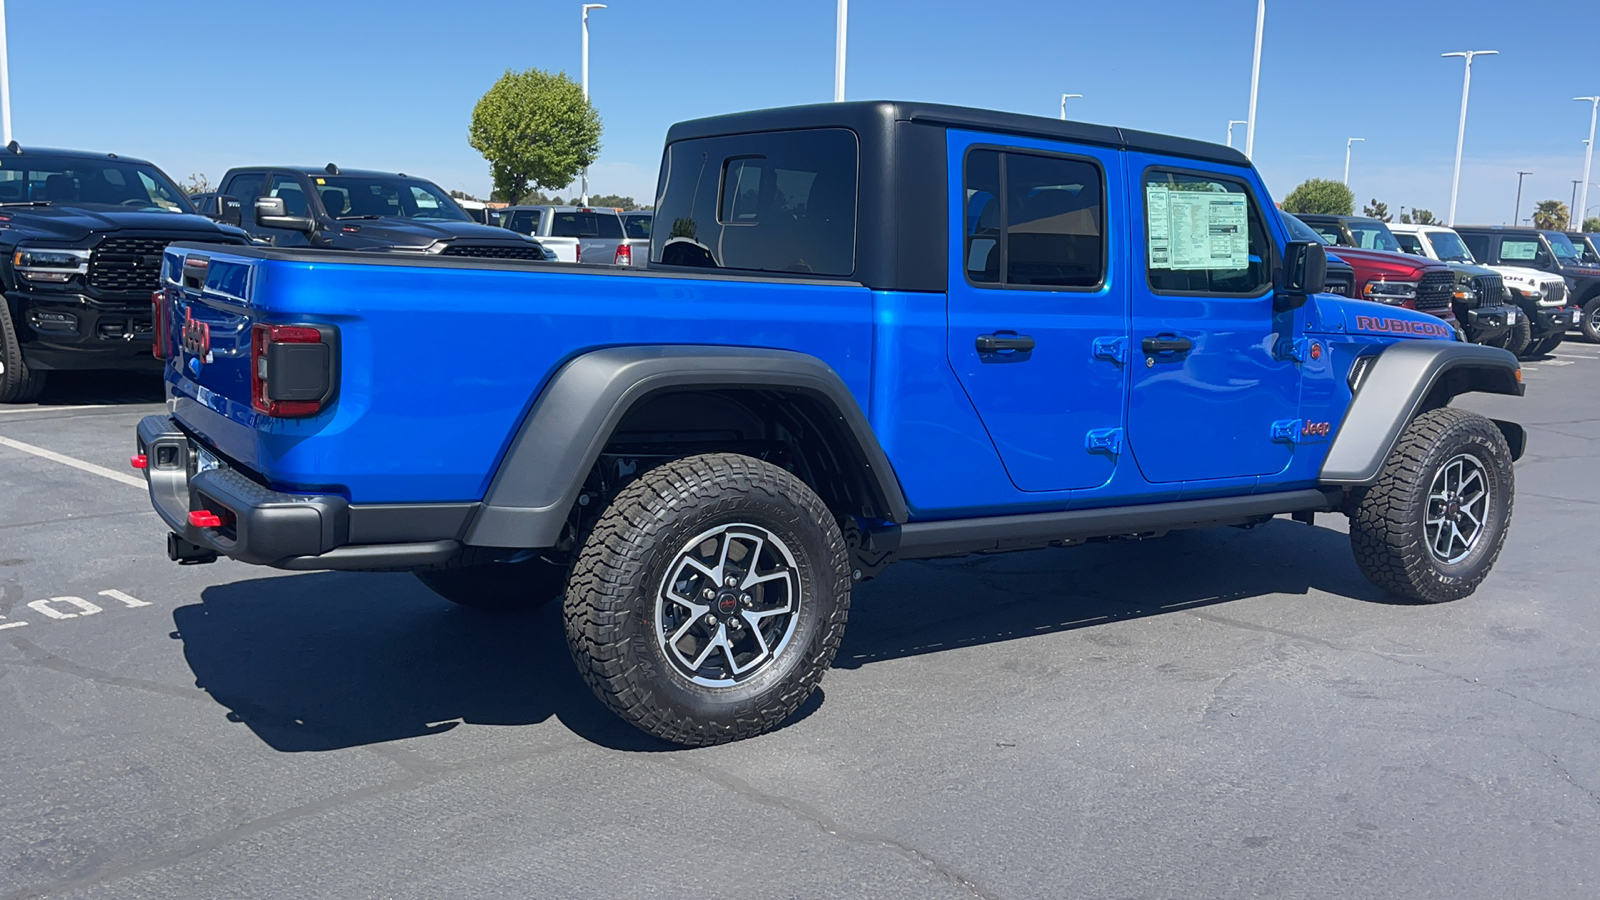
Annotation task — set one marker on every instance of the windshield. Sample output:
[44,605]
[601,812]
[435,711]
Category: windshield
[637,226]
[101,182]
[1370,234]
[376,197]
[1561,247]
[1300,231]
[1449,246]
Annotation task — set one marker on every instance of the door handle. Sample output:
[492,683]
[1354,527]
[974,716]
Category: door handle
[1004,340]
[1166,344]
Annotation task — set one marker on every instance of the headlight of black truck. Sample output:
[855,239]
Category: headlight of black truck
[49,265]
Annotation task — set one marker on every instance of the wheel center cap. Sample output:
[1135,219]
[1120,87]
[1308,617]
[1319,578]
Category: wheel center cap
[1454,509]
[727,603]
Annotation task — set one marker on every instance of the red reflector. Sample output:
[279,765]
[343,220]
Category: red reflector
[205,518]
[158,322]
[139,462]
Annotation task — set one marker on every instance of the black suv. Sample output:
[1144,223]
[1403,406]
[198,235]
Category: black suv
[81,238]
[1547,251]
[339,209]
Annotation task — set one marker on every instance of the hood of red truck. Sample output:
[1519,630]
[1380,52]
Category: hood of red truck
[1386,262]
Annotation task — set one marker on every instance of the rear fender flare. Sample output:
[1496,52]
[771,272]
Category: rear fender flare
[539,479]
[1407,376]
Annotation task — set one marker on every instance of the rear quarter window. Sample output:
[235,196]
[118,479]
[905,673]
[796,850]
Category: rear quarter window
[772,202]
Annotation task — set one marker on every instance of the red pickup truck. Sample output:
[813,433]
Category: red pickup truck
[1384,273]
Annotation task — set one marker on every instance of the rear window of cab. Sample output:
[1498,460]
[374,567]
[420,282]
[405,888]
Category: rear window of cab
[773,202]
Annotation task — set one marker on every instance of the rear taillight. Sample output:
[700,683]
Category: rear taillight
[624,256]
[158,313]
[577,253]
[291,369]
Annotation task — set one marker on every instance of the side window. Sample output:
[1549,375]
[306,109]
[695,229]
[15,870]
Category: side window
[1479,245]
[524,221]
[1203,235]
[246,187]
[1330,233]
[1410,243]
[1518,249]
[294,197]
[1033,221]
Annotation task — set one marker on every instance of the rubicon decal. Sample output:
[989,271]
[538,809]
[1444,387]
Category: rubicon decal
[1386,325]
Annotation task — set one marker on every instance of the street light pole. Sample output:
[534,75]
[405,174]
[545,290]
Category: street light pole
[1572,205]
[1231,123]
[1517,214]
[1588,155]
[5,81]
[1347,143]
[1461,129]
[840,27]
[1064,99]
[1255,81]
[584,200]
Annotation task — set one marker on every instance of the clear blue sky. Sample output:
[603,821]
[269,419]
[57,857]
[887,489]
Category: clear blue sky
[201,86]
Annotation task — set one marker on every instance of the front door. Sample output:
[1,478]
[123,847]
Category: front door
[1215,387]
[1037,315]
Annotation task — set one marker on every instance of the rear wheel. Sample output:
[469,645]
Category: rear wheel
[18,383]
[709,599]
[498,586]
[1433,525]
[1589,322]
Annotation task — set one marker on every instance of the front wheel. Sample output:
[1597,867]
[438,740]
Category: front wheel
[18,383]
[709,599]
[1589,321]
[1433,525]
[1544,345]
[1517,337]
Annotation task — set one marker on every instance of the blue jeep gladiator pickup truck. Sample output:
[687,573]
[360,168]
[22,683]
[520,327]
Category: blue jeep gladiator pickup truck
[869,332]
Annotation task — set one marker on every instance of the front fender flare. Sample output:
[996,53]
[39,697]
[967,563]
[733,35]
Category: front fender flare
[543,471]
[1407,375]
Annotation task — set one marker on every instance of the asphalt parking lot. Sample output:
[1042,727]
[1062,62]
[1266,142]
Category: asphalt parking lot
[1215,714]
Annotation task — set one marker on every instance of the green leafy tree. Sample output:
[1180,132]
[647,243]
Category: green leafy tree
[1550,215]
[616,201]
[536,130]
[1320,195]
[463,195]
[1377,209]
[1420,216]
[1592,224]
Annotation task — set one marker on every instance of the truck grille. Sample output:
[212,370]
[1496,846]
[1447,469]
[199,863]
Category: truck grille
[1339,283]
[494,251]
[1556,292]
[1491,290]
[1435,291]
[127,265]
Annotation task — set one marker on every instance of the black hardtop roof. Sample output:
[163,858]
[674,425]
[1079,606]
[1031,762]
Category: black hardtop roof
[871,115]
[1304,216]
[22,152]
[322,172]
[1508,229]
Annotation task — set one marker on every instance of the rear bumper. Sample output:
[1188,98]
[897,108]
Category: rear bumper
[261,526]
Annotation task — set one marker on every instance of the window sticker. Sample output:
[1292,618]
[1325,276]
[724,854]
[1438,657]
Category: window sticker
[1191,230]
[1519,250]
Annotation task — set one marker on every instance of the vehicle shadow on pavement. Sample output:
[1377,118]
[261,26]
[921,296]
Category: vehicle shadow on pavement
[944,604]
[329,660]
[89,387]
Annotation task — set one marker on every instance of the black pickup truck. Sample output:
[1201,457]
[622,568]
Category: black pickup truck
[346,209]
[81,238]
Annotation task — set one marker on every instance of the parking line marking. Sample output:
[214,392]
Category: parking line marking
[78,464]
[46,409]
[5,625]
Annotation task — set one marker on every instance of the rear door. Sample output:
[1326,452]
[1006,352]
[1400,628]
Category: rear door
[1215,384]
[1037,315]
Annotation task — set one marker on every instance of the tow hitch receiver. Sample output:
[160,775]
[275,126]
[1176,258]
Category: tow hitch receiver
[188,554]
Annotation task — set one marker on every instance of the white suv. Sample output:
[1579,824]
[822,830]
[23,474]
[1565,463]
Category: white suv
[1527,287]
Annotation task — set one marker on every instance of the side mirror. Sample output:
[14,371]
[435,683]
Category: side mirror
[224,208]
[1305,272]
[271,212]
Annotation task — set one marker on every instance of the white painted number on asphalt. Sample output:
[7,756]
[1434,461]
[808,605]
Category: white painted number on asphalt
[62,608]
[84,607]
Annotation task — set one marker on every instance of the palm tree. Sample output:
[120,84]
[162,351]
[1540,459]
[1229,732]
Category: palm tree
[1550,215]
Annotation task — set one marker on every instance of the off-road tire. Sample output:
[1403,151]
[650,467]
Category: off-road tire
[1387,524]
[1517,337]
[1589,320]
[498,586]
[639,540]
[1544,345]
[18,383]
